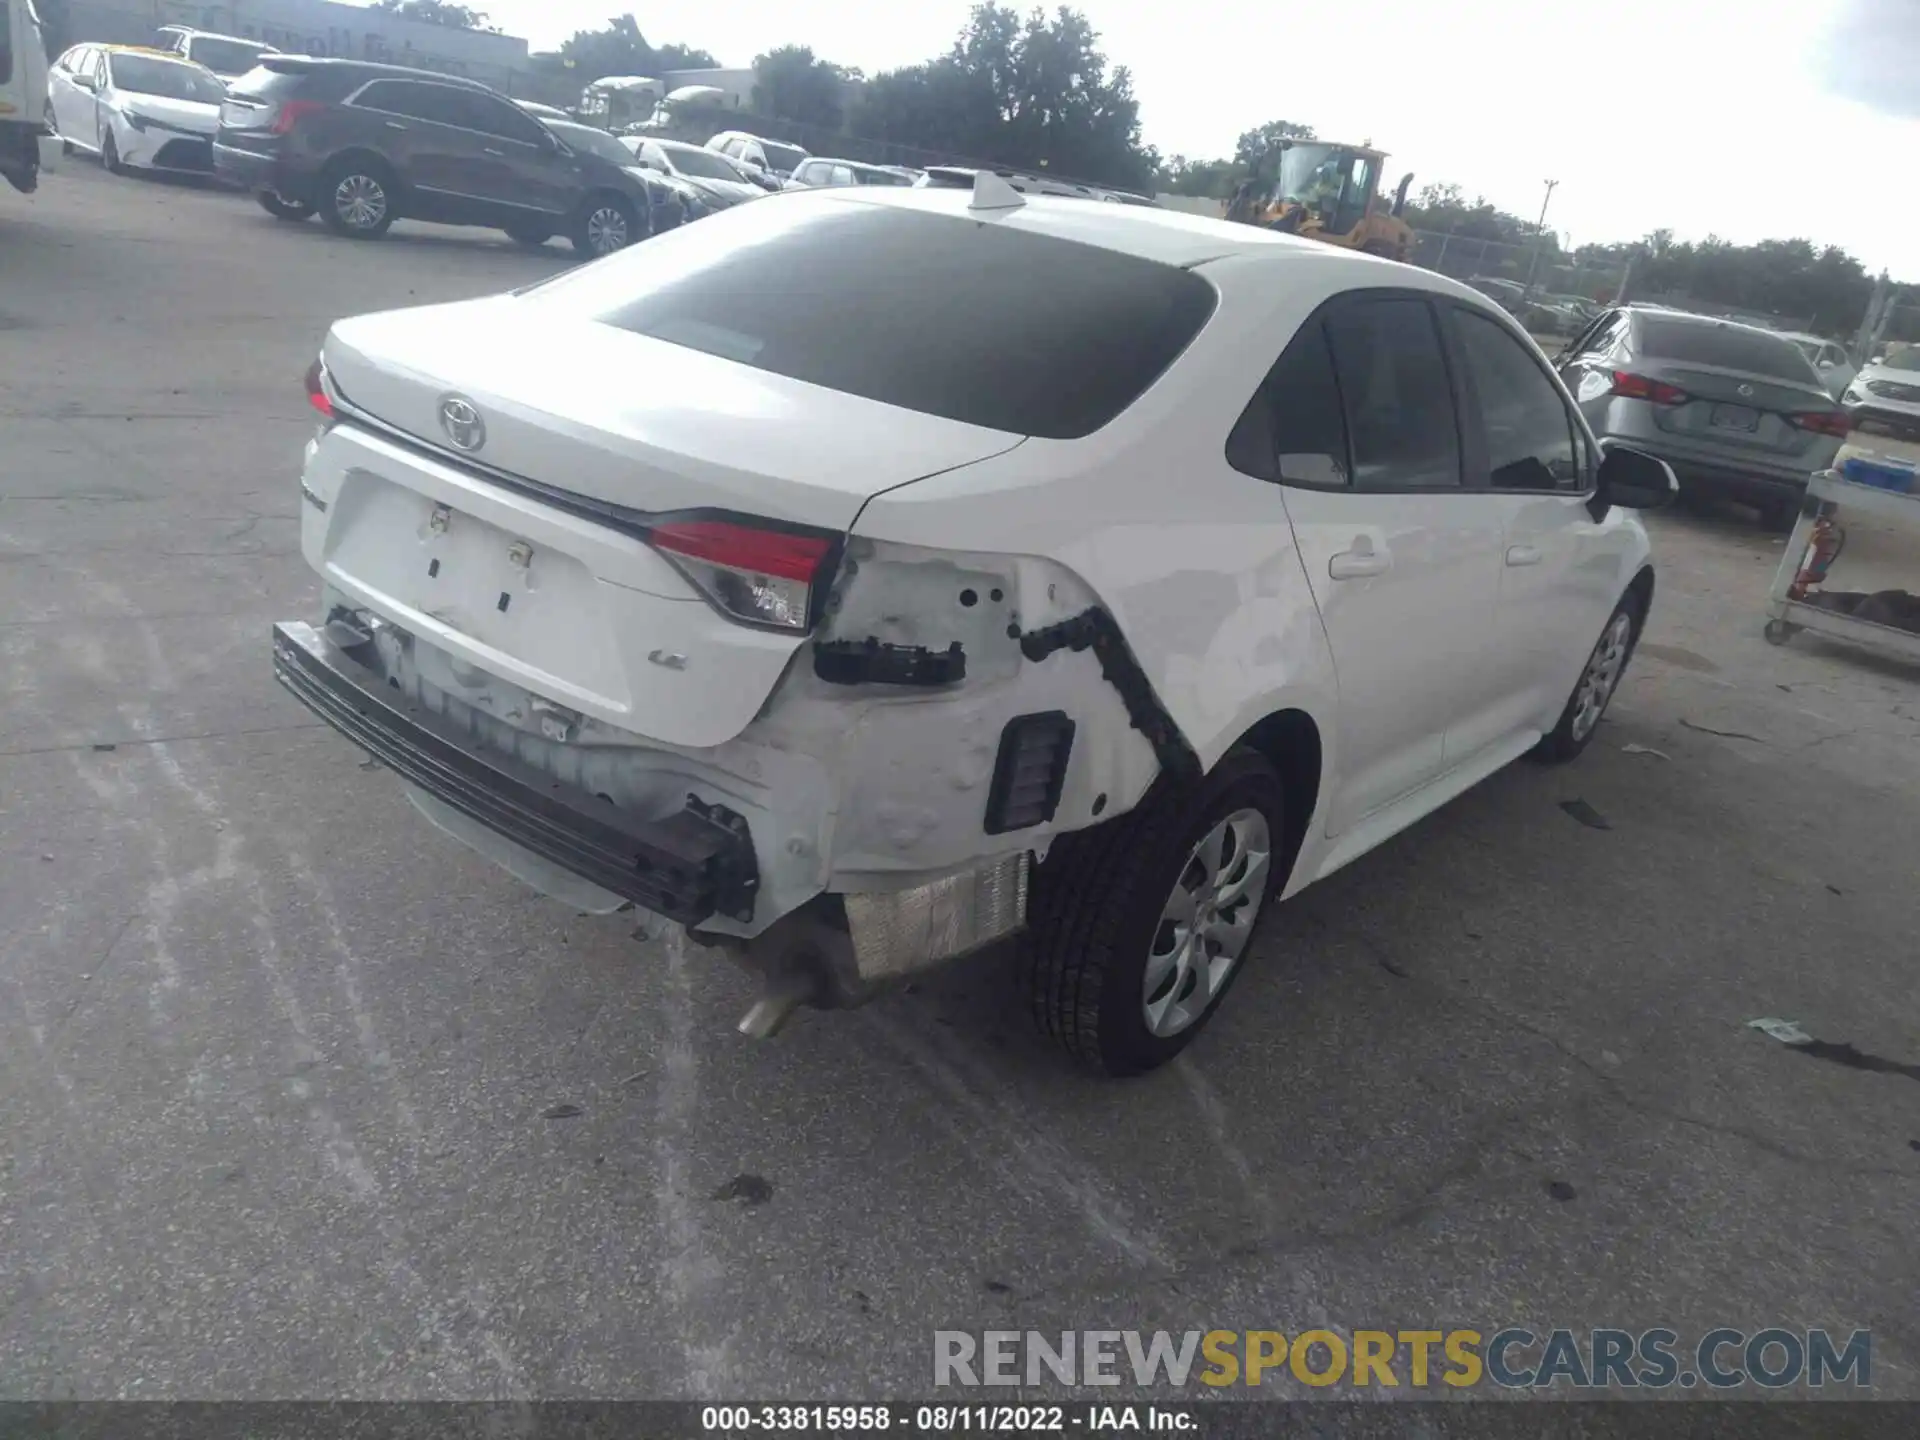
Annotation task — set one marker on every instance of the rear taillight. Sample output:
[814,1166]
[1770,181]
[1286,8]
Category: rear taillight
[1639,387]
[292,112]
[1824,422]
[750,570]
[318,395]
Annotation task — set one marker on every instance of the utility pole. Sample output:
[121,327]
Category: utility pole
[1874,325]
[1539,240]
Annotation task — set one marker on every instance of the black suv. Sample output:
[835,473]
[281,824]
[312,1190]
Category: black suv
[363,145]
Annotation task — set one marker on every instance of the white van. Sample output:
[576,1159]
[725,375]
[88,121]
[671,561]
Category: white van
[23,94]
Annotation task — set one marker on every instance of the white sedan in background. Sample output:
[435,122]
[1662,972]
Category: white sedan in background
[136,109]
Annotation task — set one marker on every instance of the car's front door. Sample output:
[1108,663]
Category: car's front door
[74,104]
[522,172]
[1533,460]
[1403,560]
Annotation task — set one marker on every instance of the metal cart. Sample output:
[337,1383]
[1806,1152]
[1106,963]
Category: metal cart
[1789,615]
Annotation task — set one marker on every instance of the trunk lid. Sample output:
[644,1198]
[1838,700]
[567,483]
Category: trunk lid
[638,422]
[573,610]
[1744,409]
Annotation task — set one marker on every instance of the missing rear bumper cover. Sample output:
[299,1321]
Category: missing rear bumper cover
[688,866]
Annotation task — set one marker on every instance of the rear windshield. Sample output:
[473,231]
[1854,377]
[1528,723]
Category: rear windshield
[225,57]
[261,83]
[976,322]
[1733,346]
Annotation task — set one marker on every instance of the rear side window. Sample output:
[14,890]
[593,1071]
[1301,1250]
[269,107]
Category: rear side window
[1398,397]
[977,322]
[1293,431]
[1528,431]
[1734,346]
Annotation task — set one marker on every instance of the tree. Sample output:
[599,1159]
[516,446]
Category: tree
[1032,93]
[438,12]
[791,84]
[620,49]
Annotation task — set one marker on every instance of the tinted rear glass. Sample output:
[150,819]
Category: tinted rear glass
[973,321]
[781,157]
[260,83]
[1733,346]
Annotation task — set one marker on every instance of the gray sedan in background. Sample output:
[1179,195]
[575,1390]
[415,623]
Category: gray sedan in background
[1738,412]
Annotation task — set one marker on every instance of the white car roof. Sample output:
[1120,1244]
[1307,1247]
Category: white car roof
[1172,237]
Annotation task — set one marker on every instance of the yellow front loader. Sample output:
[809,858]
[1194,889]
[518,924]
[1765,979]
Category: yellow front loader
[1326,192]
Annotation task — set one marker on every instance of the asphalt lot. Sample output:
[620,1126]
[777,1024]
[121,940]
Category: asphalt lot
[276,1059]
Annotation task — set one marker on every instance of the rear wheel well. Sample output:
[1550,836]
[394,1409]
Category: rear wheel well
[366,158]
[1641,589]
[1290,742]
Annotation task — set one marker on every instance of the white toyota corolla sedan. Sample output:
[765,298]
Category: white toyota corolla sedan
[864,577]
[136,109]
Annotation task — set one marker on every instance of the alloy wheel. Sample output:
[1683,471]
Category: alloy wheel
[606,230]
[1206,922]
[1602,675]
[360,201]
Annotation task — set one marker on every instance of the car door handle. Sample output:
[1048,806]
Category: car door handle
[1360,562]
[491,151]
[1523,555]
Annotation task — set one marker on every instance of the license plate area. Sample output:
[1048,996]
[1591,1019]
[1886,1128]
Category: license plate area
[533,602]
[1734,417]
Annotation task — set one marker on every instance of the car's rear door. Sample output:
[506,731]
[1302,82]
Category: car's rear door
[1404,561]
[1534,462]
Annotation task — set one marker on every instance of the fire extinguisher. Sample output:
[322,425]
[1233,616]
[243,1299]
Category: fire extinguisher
[1823,548]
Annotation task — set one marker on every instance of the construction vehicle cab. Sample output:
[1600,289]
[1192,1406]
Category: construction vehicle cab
[1327,192]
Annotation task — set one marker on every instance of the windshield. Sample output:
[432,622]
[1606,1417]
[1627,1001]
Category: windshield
[590,141]
[225,57]
[168,79]
[1902,357]
[705,163]
[782,157]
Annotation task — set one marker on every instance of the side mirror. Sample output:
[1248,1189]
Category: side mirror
[87,82]
[1633,480]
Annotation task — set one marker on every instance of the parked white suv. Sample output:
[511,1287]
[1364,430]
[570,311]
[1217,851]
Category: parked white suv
[1091,573]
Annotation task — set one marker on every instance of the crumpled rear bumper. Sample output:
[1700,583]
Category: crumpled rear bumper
[688,866]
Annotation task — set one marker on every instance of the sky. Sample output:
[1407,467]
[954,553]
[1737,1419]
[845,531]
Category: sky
[1749,119]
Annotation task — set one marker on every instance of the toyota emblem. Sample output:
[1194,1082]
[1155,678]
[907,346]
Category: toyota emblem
[462,422]
[1746,393]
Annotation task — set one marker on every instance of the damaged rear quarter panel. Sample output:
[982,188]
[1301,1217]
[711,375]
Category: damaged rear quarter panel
[914,763]
[1195,561]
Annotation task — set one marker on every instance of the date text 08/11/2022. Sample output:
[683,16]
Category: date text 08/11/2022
[944,1419]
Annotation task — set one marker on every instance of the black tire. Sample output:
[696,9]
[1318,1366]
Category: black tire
[1568,738]
[1095,914]
[293,211]
[110,154]
[607,224]
[1778,517]
[359,197]
[531,236]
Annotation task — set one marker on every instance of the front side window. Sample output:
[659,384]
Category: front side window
[1035,335]
[1529,434]
[1397,394]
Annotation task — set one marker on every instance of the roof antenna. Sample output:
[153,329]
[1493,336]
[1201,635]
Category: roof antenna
[990,192]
